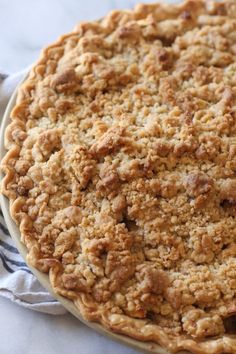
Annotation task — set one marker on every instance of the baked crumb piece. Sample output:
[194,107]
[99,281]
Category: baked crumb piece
[65,80]
[228,190]
[197,184]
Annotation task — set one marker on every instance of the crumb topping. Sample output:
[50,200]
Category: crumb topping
[122,157]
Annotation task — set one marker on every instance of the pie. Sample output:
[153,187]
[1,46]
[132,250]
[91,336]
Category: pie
[121,172]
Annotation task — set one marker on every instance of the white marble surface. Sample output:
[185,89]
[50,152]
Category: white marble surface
[25,27]
[26,332]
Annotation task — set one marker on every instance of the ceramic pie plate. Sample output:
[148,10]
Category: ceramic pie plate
[149,347]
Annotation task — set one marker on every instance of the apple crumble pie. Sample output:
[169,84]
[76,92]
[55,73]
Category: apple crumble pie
[121,172]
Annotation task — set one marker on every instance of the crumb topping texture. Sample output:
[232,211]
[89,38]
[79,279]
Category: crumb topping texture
[121,171]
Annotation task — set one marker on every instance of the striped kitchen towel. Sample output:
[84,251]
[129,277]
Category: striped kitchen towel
[17,283]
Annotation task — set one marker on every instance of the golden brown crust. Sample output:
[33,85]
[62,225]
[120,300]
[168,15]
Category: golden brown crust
[121,167]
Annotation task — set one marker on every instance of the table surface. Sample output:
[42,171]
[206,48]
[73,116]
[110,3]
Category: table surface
[26,27]
[23,331]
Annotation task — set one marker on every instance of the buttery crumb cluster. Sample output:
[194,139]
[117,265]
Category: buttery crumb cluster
[122,171]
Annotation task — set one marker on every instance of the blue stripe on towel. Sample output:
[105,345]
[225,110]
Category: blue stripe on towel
[6,261]
[20,265]
[4,229]
[12,261]
[5,264]
[8,247]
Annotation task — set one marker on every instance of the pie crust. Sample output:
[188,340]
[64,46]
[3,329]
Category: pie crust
[121,172]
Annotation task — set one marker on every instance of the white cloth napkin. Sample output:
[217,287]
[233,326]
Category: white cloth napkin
[17,283]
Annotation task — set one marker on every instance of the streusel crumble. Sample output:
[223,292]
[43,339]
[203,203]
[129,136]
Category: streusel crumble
[121,172]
